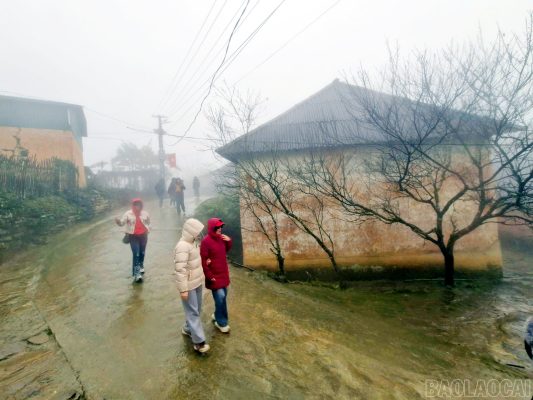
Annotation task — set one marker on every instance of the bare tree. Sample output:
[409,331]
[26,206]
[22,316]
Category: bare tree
[307,210]
[234,115]
[452,139]
[266,191]
[258,204]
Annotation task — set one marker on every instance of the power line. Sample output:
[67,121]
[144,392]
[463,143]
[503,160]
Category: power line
[110,117]
[279,49]
[199,73]
[175,80]
[234,55]
[84,107]
[288,41]
[263,62]
[218,69]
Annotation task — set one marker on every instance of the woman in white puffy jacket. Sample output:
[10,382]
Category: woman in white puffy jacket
[189,281]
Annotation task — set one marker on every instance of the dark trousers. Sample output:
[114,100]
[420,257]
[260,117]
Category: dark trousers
[180,204]
[138,248]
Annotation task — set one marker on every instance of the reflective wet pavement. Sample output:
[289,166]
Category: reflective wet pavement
[73,325]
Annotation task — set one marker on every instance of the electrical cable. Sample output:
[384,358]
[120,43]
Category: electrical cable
[172,85]
[199,73]
[231,59]
[218,69]
[269,57]
[234,55]
[288,41]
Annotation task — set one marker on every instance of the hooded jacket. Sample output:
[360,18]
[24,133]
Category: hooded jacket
[214,248]
[129,219]
[188,265]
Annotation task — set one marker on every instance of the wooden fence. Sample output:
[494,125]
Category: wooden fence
[28,177]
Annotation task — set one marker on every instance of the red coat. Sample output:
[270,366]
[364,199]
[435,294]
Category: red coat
[214,248]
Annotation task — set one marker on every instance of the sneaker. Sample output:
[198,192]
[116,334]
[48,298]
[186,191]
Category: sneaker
[142,271]
[201,348]
[185,332]
[213,317]
[138,278]
[223,329]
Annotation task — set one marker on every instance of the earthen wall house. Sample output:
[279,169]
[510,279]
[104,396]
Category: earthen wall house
[371,245]
[43,129]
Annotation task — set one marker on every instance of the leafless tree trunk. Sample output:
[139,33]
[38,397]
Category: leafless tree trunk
[307,210]
[232,115]
[456,131]
[265,189]
[235,114]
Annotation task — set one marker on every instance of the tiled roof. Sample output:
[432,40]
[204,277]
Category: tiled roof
[329,118]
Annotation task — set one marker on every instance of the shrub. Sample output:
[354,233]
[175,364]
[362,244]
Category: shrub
[227,209]
[31,220]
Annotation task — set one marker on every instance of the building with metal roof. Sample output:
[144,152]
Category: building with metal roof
[333,117]
[43,129]
[331,121]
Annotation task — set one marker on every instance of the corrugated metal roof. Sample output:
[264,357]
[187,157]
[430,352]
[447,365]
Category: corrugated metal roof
[42,114]
[331,117]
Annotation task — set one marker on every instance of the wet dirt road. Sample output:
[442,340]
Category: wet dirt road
[73,326]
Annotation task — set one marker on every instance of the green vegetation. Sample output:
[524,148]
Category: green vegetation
[31,220]
[226,208]
[39,198]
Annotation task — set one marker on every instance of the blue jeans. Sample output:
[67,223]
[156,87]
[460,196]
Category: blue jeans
[138,247]
[221,308]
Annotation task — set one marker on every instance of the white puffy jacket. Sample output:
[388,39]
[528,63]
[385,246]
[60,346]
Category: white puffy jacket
[128,220]
[188,264]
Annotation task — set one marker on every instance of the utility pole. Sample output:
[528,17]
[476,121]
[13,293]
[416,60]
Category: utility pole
[160,132]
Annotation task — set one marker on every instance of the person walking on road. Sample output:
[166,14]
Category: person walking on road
[180,196]
[136,223]
[160,191]
[196,187]
[213,251]
[189,281]
[172,191]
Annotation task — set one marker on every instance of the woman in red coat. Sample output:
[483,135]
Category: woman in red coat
[213,251]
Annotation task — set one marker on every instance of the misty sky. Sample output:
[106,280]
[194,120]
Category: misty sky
[118,57]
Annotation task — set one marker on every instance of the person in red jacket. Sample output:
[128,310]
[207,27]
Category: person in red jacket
[136,224]
[213,252]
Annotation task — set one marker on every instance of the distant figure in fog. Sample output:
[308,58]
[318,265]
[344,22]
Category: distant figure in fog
[213,250]
[136,223]
[172,191]
[189,281]
[180,196]
[196,187]
[160,191]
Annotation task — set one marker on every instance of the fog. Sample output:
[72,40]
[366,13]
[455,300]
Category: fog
[118,58]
